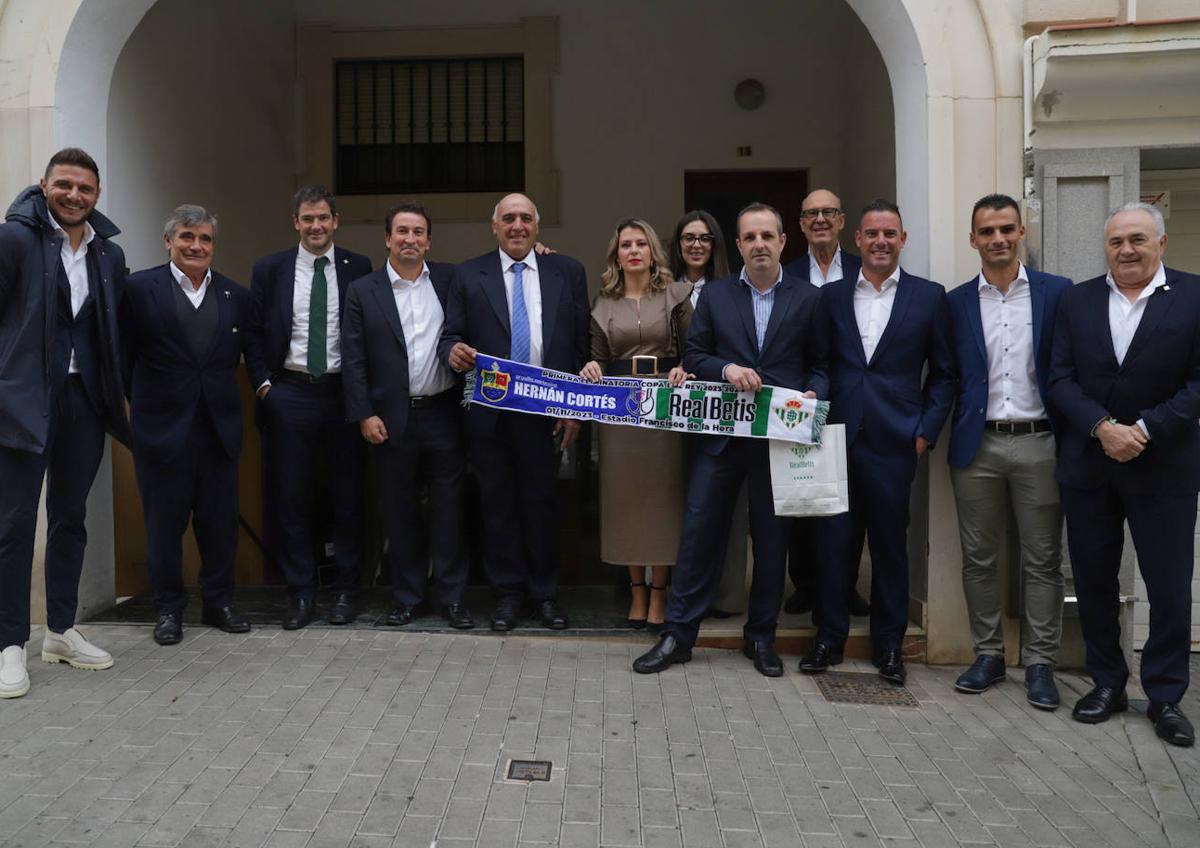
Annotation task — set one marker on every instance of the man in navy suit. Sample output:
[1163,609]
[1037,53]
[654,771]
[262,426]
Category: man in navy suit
[518,305]
[758,328]
[407,404]
[821,220]
[296,299]
[60,277]
[887,328]
[1125,379]
[1002,450]
[183,335]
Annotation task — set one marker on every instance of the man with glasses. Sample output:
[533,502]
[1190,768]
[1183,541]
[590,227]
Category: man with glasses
[821,220]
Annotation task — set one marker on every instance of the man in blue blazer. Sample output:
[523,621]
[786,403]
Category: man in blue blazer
[759,328]
[888,328]
[60,277]
[1125,380]
[822,219]
[407,404]
[1002,449]
[183,335]
[296,299]
[518,305]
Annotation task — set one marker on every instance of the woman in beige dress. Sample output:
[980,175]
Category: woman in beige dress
[639,324]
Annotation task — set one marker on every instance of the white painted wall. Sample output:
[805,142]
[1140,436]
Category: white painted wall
[644,93]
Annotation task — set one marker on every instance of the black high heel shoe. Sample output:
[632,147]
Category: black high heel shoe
[637,623]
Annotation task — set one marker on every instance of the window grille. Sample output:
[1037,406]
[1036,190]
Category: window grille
[430,125]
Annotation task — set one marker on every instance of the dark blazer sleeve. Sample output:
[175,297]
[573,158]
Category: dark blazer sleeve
[941,383]
[1081,412]
[701,342]
[256,322]
[581,314]
[127,331]
[817,349]
[1178,413]
[454,325]
[355,376]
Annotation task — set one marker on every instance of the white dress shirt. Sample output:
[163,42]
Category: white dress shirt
[1013,393]
[1124,317]
[421,316]
[817,277]
[696,287]
[872,309]
[195,295]
[74,262]
[297,355]
[532,287]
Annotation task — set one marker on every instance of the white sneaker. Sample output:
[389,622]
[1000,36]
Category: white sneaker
[70,647]
[14,680]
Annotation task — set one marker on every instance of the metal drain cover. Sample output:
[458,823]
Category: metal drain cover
[847,687]
[529,769]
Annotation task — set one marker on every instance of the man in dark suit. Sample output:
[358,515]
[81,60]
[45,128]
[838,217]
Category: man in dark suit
[296,299]
[60,277]
[408,405]
[183,334]
[821,220]
[518,305]
[887,328]
[1125,379]
[758,328]
[1002,449]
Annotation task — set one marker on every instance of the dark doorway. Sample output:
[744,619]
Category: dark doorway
[725,193]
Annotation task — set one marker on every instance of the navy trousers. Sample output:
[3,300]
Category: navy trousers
[301,422]
[200,484]
[711,494]
[517,469]
[74,449]
[1163,527]
[880,486]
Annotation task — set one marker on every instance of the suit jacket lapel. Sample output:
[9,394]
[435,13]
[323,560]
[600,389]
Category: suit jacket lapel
[896,319]
[1158,306]
[387,305]
[744,302]
[493,288]
[846,305]
[975,319]
[550,279]
[784,295]
[220,291]
[286,287]
[1037,292]
[1099,310]
[164,299]
[342,266]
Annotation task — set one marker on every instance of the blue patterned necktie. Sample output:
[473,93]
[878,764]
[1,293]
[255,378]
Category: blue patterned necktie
[520,318]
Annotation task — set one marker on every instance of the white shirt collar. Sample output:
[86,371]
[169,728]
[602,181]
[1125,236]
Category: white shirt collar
[1157,281]
[837,258]
[88,232]
[892,280]
[184,281]
[507,261]
[309,259]
[398,281]
[1022,276]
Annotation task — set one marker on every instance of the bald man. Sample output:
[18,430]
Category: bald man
[513,303]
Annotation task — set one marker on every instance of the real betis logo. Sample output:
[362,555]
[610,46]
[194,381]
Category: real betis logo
[493,383]
[792,413]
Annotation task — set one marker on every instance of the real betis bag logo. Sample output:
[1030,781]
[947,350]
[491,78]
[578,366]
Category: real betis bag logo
[493,383]
[791,413]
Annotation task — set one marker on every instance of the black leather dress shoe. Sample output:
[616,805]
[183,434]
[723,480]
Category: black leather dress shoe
[856,605]
[666,652]
[342,611]
[458,616]
[1039,686]
[799,602]
[820,659]
[1096,706]
[224,618]
[504,617]
[299,613]
[401,615]
[891,667]
[553,618]
[985,671]
[766,661]
[168,630]
[1171,724]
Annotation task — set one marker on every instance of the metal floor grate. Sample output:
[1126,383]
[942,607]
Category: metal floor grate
[846,687]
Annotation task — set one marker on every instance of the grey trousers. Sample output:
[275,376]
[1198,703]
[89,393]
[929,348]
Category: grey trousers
[1016,471]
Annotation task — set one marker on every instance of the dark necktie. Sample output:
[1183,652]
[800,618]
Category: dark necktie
[318,309]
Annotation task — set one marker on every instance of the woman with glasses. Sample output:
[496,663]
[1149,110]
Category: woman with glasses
[639,323]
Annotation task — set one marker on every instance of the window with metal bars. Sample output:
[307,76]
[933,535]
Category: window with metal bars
[430,125]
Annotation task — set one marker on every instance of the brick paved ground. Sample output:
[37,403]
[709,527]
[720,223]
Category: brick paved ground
[337,738]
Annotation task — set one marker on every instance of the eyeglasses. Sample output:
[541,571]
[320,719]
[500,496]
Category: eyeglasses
[813,214]
[692,238]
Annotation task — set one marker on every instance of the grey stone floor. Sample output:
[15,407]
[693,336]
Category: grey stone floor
[357,738]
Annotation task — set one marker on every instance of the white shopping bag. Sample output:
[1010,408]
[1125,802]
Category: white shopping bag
[809,480]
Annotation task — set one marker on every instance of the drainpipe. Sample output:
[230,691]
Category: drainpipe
[1027,99]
